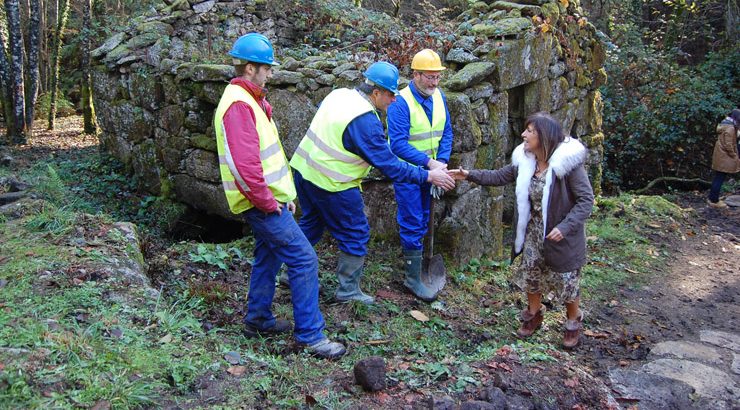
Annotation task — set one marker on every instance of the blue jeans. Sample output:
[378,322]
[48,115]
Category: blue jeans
[278,240]
[342,213]
[717,181]
[413,202]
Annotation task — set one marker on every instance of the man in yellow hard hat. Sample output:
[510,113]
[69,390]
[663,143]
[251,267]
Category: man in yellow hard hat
[345,139]
[258,186]
[420,132]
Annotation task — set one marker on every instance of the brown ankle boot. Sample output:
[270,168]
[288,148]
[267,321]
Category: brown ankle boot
[572,335]
[530,322]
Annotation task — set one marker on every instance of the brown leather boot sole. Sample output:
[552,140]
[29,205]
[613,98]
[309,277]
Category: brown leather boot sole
[572,334]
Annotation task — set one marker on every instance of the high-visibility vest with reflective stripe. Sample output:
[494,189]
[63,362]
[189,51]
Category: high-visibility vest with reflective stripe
[422,135]
[275,168]
[321,157]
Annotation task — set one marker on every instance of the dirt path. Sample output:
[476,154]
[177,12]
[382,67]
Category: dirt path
[671,317]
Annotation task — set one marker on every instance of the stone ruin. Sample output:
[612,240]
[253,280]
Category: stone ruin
[156,86]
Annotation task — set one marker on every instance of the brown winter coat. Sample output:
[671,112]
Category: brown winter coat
[569,201]
[724,158]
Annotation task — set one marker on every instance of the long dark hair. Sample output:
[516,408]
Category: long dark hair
[548,130]
[735,115]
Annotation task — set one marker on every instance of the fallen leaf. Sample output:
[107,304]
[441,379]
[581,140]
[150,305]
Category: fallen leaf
[166,338]
[419,316]
[505,366]
[597,335]
[623,363]
[632,271]
[572,383]
[310,400]
[2,366]
[29,253]
[694,263]
[377,342]
[404,365]
[101,405]
[236,370]
[233,357]
[654,225]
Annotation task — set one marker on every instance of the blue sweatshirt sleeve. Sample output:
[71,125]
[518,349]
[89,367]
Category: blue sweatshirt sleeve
[445,145]
[399,125]
[365,137]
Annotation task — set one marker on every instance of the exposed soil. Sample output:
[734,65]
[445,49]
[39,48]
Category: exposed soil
[699,289]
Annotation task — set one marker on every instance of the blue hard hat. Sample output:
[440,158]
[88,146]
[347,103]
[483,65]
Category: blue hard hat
[383,74]
[253,47]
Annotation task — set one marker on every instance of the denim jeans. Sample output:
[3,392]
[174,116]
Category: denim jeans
[717,181]
[278,240]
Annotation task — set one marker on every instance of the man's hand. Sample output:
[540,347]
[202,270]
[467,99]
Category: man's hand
[279,208]
[440,178]
[291,206]
[458,174]
[434,164]
[555,235]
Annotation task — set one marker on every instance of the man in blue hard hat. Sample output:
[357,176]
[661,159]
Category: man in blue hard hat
[259,187]
[420,132]
[345,139]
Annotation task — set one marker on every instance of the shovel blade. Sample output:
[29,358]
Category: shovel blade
[435,274]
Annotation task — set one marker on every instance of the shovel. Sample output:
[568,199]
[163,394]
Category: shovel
[433,272]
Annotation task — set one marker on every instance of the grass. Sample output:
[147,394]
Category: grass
[76,345]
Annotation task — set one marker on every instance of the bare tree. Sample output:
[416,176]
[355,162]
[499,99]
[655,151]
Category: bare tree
[34,30]
[5,80]
[15,40]
[88,109]
[56,54]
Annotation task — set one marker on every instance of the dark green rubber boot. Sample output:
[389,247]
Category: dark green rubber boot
[412,262]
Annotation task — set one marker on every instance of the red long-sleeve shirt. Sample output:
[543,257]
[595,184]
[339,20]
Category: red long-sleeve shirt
[244,144]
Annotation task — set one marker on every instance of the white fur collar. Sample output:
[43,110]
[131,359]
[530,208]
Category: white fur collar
[567,156]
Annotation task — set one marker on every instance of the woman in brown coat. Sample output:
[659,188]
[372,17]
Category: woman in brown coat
[724,159]
[554,198]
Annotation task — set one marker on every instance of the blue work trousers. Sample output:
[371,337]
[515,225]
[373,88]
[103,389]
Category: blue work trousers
[342,213]
[278,240]
[413,202]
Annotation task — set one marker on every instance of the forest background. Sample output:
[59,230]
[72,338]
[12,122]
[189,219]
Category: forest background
[672,68]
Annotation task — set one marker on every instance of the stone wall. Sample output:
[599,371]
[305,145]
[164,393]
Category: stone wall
[155,99]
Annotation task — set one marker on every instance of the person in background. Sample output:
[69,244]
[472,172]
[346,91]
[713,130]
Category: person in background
[420,132]
[259,187]
[724,158]
[345,139]
[553,200]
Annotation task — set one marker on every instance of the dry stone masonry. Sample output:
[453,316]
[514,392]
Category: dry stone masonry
[157,85]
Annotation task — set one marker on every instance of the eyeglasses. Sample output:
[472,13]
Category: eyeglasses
[431,77]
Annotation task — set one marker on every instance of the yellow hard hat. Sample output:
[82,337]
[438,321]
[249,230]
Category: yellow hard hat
[427,60]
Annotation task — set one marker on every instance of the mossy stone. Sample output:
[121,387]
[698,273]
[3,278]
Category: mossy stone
[503,28]
[470,75]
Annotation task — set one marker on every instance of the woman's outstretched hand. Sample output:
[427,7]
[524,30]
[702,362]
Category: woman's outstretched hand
[458,174]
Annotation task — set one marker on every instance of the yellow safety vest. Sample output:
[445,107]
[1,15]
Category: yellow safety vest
[274,164]
[321,157]
[422,135]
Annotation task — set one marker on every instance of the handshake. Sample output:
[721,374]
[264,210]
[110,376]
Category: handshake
[443,179]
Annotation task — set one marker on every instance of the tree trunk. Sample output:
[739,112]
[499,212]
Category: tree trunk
[88,109]
[56,55]
[33,61]
[15,40]
[5,79]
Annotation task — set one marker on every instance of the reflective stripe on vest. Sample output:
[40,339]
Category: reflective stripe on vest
[424,136]
[275,168]
[321,157]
